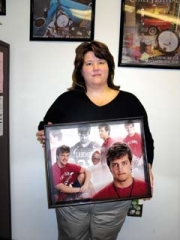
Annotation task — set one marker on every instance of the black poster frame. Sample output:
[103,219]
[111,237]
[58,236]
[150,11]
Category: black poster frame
[2,7]
[63,170]
[62,20]
[149,34]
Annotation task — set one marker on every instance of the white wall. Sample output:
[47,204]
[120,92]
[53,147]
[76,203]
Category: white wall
[39,72]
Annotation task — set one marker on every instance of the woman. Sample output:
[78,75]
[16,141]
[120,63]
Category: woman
[93,96]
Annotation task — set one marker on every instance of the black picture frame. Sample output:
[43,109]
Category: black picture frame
[72,135]
[149,34]
[62,20]
[2,7]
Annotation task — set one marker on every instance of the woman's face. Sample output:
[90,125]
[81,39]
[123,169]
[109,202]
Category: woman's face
[94,70]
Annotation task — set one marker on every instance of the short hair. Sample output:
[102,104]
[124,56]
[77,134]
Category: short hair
[101,51]
[84,129]
[129,122]
[118,150]
[105,126]
[62,149]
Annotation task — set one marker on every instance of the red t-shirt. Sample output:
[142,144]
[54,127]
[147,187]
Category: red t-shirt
[104,148]
[137,189]
[135,143]
[66,175]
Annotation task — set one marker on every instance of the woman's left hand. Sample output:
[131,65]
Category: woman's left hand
[151,181]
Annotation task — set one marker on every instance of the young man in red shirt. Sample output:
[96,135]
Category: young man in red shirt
[124,186]
[70,180]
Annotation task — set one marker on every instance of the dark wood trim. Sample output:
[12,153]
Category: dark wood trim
[5,203]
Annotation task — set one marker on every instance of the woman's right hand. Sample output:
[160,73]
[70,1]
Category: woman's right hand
[41,137]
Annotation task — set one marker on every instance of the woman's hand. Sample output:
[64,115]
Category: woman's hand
[41,137]
[151,181]
[151,178]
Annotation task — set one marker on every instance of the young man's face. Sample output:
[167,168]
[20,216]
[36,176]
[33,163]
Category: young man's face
[96,158]
[103,133]
[121,169]
[148,49]
[84,136]
[130,129]
[63,158]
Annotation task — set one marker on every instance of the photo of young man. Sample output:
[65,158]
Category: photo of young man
[124,185]
[70,181]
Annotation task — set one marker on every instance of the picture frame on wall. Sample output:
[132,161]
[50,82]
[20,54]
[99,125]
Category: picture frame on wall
[2,7]
[82,169]
[149,34]
[62,20]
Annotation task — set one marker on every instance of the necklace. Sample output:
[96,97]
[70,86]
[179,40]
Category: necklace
[118,194]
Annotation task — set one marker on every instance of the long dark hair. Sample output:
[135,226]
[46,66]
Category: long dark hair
[101,51]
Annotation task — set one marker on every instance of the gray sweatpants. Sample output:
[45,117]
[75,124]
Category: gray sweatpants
[100,221]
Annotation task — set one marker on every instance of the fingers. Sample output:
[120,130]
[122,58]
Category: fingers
[40,137]
[147,199]
[151,181]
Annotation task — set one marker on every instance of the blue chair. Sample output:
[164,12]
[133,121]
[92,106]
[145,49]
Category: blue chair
[70,7]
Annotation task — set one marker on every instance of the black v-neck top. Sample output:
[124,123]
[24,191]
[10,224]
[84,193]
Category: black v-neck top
[75,106]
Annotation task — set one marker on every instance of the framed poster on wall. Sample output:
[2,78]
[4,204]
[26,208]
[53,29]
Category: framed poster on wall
[5,206]
[62,20]
[150,34]
[2,7]
[81,170]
